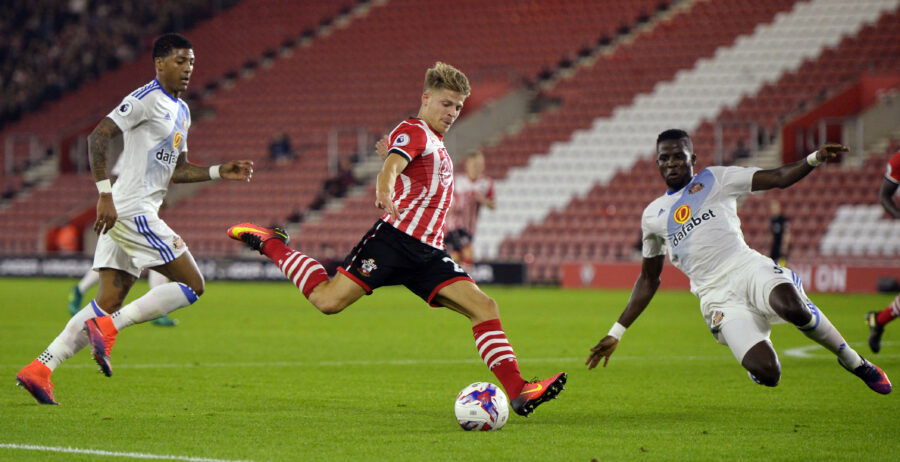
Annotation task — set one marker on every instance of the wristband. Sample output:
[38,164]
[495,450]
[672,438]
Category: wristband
[104,186]
[616,331]
[214,172]
[813,160]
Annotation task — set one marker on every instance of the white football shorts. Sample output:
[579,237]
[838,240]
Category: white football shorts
[741,299]
[136,243]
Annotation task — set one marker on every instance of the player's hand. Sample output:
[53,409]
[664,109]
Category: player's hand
[831,151]
[384,202]
[381,147]
[604,349]
[106,214]
[237,170]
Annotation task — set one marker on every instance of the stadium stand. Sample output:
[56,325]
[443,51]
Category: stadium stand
[632,129]
[705,66]
[334,94]
[79,111]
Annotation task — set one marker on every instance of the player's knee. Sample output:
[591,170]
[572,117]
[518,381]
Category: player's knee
[198,288]
[766,373]
[768,376]
[486,310]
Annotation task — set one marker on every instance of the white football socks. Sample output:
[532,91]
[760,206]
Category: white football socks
[155,279]
[158,301]
[72,338]
[90,279]
[824,333]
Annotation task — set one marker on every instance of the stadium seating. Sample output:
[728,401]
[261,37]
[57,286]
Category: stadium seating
[626,193]
[323,86]
[231,39]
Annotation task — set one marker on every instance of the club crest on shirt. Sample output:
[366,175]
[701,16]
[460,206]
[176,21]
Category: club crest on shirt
[367,266]
[177,243]
[682,214]
[402,140]
[695,188]
[177,140]
[446,172]
[125,109]
[715,323]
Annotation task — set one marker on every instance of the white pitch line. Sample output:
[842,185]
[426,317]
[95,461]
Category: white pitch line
[809,351]
[387,362]
[798,352]
[98,452]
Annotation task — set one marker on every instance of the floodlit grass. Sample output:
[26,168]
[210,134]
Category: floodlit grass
[255,373]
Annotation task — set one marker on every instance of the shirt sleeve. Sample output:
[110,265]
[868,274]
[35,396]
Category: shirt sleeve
[408,141]
[735,181]
[653,245]
[129,113]
[893,169]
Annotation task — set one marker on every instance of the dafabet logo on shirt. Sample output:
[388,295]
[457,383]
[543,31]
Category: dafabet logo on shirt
[682,214]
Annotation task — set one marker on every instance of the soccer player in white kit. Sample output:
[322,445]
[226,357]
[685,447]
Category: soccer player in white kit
[155,125]
[742,293]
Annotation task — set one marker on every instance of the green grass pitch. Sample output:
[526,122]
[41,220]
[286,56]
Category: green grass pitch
[253,372]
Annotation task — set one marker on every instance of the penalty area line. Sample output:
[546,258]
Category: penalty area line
[99,452]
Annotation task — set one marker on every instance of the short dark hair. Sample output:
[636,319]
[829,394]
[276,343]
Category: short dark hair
[672,134]
[164,44]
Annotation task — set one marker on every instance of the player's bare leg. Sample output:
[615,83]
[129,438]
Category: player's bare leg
[788,303]
[466,298]
[158,301]
[332,296]
[761,362]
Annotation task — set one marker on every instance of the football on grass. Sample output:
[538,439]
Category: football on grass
[481,406]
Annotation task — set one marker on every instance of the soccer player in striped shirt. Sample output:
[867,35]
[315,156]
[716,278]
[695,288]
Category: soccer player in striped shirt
[877,319]
[154,123]
[406,246]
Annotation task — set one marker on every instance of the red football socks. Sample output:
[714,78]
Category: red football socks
[305,272]
[498,355]
[890,313]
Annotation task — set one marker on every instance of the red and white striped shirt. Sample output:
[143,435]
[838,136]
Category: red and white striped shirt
[423,192]
[893,168]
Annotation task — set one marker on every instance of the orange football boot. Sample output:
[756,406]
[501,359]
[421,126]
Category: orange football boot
[102,336]
[255,236]
[35,377]
[535,393]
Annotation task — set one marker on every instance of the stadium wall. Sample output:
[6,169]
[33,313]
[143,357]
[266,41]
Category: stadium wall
[817,277]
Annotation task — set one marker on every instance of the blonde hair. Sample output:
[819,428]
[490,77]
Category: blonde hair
[443,75]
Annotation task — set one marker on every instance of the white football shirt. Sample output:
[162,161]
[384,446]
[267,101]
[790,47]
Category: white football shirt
[155,128]
[698,226]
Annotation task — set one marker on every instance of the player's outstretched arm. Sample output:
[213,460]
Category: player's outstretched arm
[98,146]
[643,291]
[786,175]
[381,147]
[886,194]
[384,185]
[186,172]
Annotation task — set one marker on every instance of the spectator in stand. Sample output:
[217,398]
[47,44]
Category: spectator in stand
[740,151]
[50,47]
[877,319]
[778,225]
[280,150]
